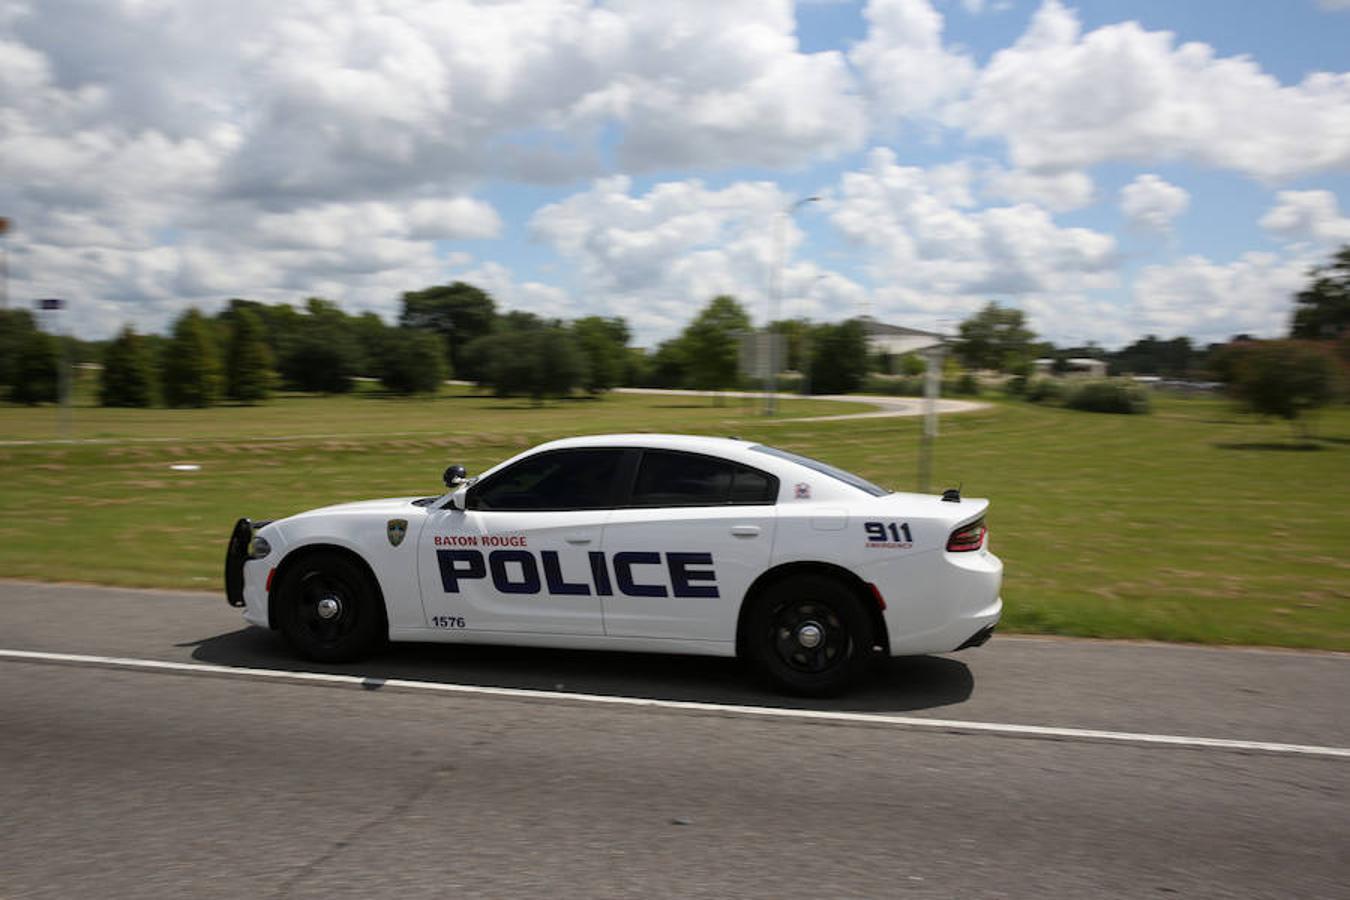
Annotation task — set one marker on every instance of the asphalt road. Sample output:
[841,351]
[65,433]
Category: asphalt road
[146,784]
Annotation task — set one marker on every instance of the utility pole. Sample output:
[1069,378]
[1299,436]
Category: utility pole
[931,386]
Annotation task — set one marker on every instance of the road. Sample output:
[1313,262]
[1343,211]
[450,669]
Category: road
[145,783]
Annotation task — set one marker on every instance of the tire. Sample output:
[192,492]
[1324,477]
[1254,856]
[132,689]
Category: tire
[329,608]
[779,634]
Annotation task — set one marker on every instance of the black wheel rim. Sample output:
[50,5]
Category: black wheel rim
[327,607]
[809,636]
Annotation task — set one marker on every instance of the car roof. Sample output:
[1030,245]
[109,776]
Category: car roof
[691,442]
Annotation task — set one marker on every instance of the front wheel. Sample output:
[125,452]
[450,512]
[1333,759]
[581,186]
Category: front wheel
[809,635]
[329,609]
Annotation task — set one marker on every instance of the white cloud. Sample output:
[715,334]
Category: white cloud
[903,61]
[1307,216]
[1334,5]
[928,242]
[263,148]
[656,258]
[1151,204]
[1213,301]
[1067,100]
[1056,191]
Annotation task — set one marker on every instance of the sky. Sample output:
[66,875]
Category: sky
[1112,168]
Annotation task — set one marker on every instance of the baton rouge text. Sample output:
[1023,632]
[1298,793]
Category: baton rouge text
[632,573]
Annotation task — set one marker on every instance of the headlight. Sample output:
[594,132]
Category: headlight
[258,547]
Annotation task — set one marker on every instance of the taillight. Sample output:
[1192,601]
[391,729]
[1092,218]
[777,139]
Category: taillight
[968,537]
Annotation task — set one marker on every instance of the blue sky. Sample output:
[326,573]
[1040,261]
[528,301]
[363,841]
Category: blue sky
[1112,168]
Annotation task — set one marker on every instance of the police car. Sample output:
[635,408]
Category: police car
[637,542]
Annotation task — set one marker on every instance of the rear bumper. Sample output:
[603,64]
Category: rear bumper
[979,638]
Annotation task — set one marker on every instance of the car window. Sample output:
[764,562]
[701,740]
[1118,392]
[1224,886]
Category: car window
[668,478]
[848,478]
[564,479]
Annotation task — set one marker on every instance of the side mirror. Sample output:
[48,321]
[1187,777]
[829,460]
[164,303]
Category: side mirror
[454,476]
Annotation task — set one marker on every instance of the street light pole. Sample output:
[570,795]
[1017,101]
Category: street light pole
[776,295]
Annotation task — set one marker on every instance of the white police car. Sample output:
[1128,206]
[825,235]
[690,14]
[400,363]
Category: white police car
[663,543]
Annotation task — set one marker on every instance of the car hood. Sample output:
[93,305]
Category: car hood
[390,506]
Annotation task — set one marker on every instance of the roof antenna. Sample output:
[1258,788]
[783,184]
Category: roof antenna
[953,495]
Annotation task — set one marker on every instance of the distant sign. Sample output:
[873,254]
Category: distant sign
[4,224]
[51,303]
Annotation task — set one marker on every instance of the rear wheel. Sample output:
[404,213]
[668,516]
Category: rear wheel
[809,634]
[329,608]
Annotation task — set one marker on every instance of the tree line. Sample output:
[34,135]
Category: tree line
[248,350]
[1285,377]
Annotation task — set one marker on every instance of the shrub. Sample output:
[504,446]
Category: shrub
[1108,397]
[1044,390]
[967,385]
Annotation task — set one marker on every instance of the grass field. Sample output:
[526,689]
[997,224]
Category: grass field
[1194,523]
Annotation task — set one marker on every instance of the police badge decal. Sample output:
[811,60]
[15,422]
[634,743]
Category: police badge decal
[397,530]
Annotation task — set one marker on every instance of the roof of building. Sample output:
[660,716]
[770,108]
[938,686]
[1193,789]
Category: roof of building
[875,328]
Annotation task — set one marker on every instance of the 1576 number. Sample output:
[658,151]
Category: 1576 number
[447,621]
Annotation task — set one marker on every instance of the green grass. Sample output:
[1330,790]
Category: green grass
[1192,524]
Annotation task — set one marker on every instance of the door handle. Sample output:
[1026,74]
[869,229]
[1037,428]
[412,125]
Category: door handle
[578,539]
[744,531]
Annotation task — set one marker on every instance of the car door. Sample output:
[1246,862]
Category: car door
[692,536]
[518,559]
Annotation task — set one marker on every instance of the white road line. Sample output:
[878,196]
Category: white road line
[957,726]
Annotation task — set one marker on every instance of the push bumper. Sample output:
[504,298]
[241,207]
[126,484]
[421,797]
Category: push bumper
[236,554]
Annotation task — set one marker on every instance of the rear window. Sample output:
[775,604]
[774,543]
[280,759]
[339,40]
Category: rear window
[669,478]
[847,478]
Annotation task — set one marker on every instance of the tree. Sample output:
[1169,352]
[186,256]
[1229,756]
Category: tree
[1322,309]
[248,361]
[191,364]
[323,355]
[711,344]
[372,337]
[793,336]
[536,362]
[1282,378]
[838,357]
[668,366]
[16,329]
[604,348]
[128,377]
[37,370]
[460,313]
[996,337]
[410,361]
[1150,356]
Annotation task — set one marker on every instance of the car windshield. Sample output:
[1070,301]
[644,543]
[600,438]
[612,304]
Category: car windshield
[848,478]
